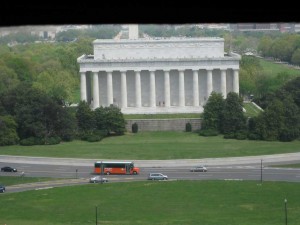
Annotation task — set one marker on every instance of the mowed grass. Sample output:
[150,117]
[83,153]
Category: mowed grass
[272,69]
[251,109]
[151,203]
[155,145]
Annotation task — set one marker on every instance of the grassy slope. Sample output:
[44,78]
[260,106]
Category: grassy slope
[155,145]
[145,203]
[272,69]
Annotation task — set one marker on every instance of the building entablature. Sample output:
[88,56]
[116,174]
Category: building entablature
[89,64]
[159,48]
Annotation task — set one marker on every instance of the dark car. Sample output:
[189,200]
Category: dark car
[2,188]
[8,169]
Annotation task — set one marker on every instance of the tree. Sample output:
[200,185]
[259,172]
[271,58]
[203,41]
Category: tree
[37,115]
[110,119]
[292,87]
[271,121]
[8,132]
[85,118]
[264,45]
[291,128]
[296,57]
[66,124]
[250,71]
[233,119]
[212,114]
[8,78]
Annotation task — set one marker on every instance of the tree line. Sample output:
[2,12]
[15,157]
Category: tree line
[29,116]
[285,48]
[280,119]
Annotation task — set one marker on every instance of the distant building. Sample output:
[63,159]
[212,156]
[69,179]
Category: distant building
[159,75]
[46,32]
[255,27]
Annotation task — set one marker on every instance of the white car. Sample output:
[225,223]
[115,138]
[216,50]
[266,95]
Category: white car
[98,179]
[199,169]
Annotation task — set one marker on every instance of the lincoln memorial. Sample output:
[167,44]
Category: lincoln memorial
[158,75]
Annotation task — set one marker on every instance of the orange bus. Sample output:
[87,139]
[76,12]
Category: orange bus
[115,167]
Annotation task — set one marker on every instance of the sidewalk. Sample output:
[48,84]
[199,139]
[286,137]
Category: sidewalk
[157,163]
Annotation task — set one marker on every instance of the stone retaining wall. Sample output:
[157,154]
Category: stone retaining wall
[163,124]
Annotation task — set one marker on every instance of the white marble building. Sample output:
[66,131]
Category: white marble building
[161,75]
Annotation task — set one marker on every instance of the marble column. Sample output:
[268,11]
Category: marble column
[181,88]
[208,84]
[83,86]
[123,89]
[195,88]
[167,88]
[236,81]
[138,96]
[223,83]
[95,90]
[152,89]
[109,88]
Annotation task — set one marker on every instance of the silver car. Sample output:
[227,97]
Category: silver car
[98,179]
[199,169]
[157,176]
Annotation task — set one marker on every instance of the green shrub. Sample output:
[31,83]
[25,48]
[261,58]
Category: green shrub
[53,140]
[94,138]
[208,133]
[28,141]
[188,127]
[229,136]
[134,128]
[241,135]
[254,136]
[288,134]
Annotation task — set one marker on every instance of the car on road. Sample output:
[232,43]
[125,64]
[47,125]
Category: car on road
[98,179]
[198,169]
[157,176]
[8,169]
[2,188]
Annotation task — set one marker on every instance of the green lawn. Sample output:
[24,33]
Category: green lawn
[155,203]
[155,145]
[251,110]
[272,69]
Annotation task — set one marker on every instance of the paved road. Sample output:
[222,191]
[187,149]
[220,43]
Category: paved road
[267,159]
[78,171]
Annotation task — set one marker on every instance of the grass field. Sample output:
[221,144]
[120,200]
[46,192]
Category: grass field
[272,69]
[153,203]
[155,145]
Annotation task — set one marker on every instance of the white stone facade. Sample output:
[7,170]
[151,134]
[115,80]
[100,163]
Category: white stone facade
[174,75]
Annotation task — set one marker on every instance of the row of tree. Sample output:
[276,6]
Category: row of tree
[30,116]
[279,121]
[285,48]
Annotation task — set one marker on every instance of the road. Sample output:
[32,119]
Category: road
[78,171]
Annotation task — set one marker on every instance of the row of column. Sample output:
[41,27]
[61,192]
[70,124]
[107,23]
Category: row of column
[138,98]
